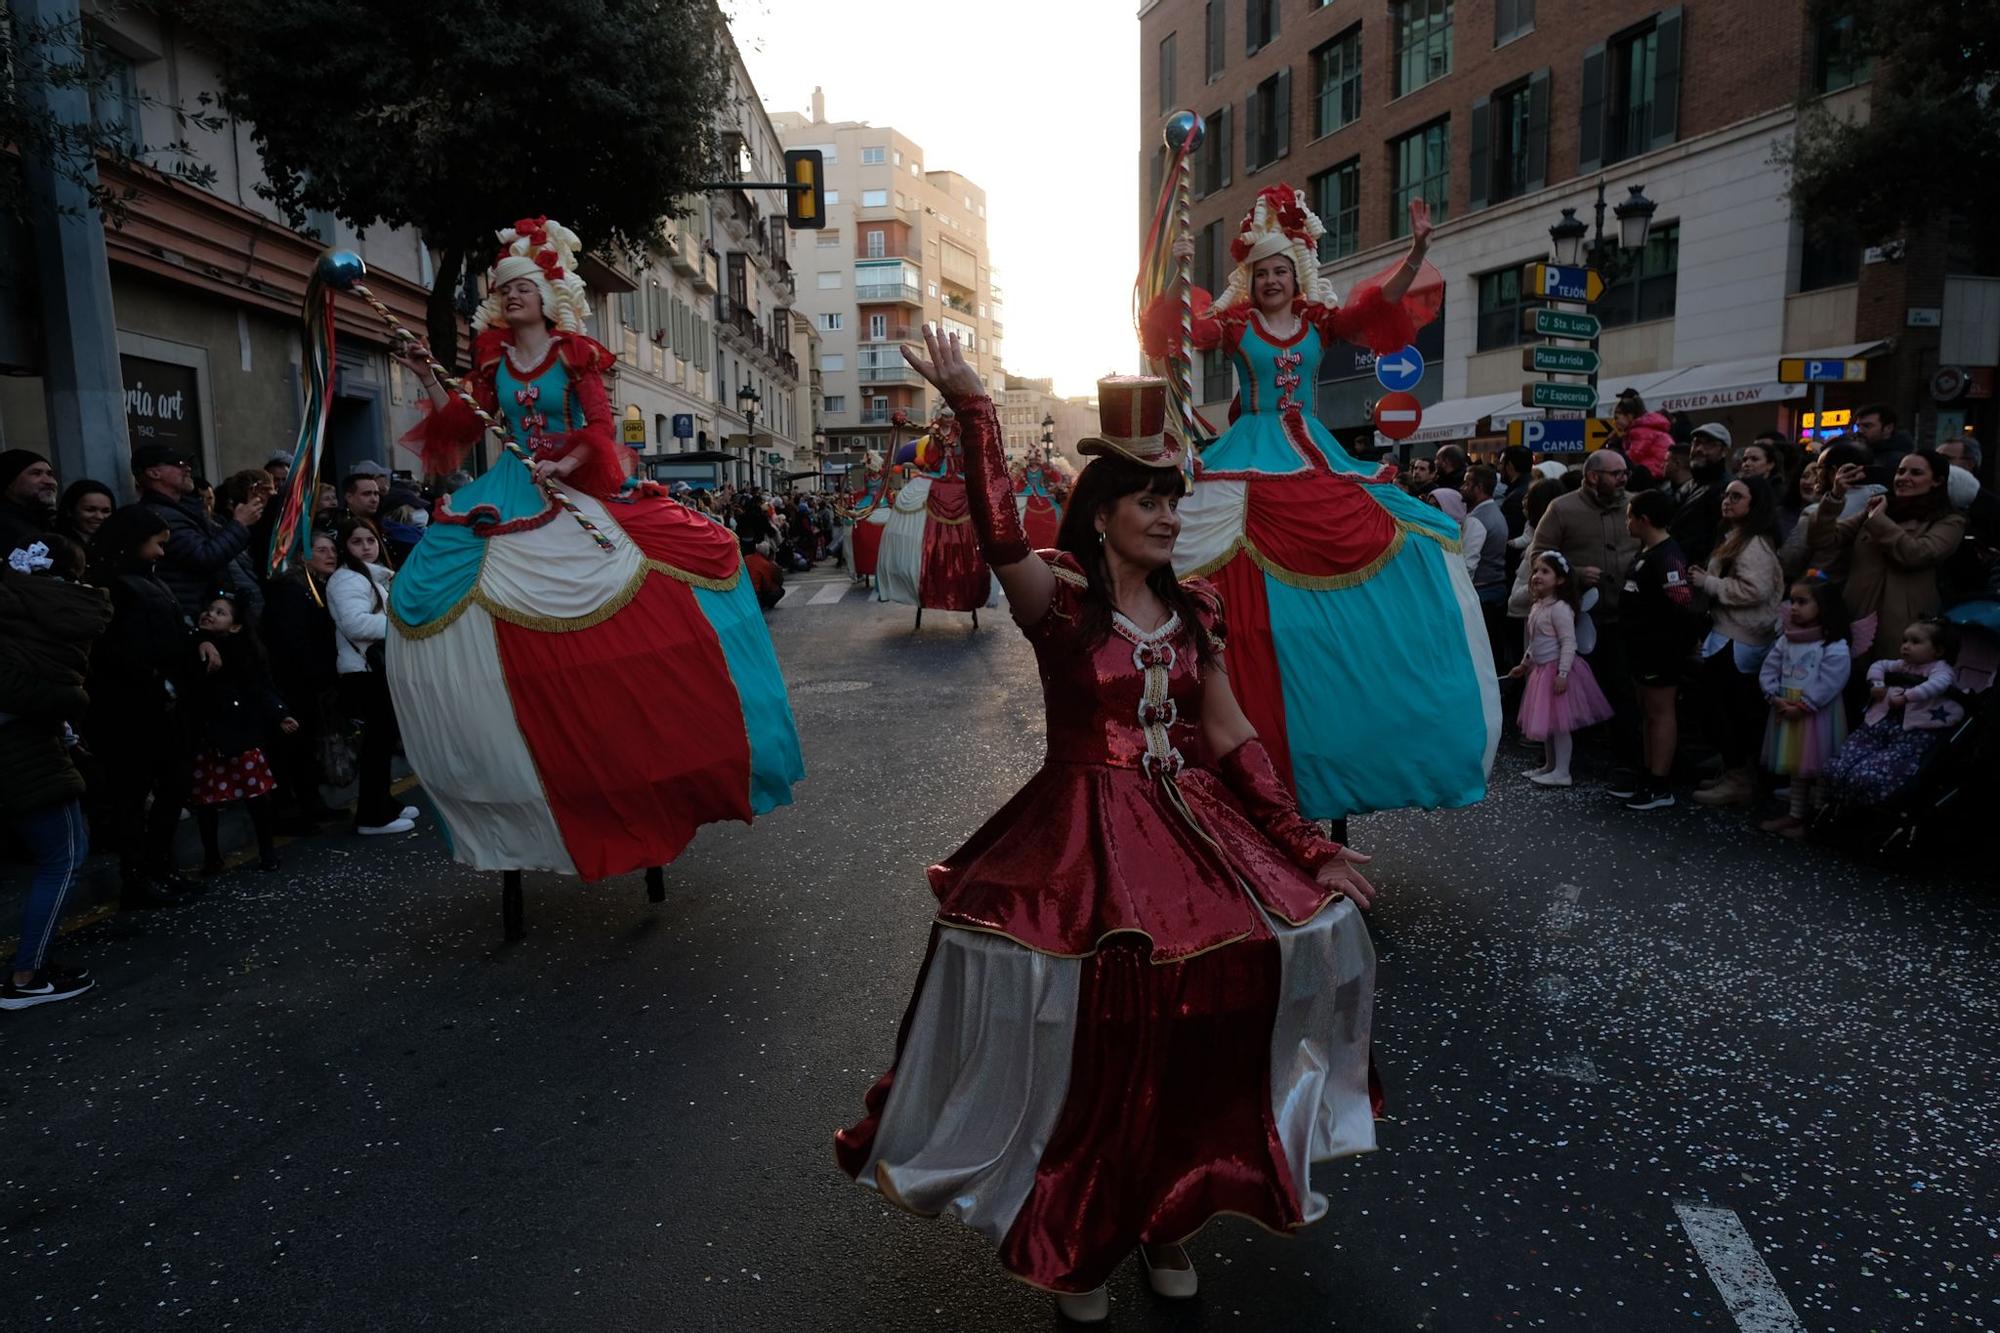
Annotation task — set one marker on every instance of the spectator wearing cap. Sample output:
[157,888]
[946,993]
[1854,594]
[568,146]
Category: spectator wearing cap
[402,516]
[27,498]
[200,548]
[278,467]
[1697,524]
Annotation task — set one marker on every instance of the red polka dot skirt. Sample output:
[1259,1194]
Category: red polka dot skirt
[220,779]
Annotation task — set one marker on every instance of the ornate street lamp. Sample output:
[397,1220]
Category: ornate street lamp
[747,399]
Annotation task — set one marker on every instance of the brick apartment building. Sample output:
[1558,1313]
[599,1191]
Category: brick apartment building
[1502,113]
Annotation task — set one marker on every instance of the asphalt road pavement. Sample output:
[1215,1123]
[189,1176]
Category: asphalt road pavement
[1645,1072]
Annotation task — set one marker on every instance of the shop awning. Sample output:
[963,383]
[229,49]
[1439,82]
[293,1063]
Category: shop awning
[1710,387]
[1456,418]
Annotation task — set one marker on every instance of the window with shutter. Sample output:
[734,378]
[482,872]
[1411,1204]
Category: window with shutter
[1215,22]
[1166,69]
[1667,80]
[1538,130]
[1481,152]
[1590,119]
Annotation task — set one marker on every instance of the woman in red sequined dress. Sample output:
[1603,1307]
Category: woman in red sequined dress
[1148,992]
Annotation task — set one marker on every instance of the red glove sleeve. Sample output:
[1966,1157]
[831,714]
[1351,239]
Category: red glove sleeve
[1250,774]
[987,491]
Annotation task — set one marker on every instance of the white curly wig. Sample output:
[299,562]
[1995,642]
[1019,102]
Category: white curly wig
[544,252]
[1265,235]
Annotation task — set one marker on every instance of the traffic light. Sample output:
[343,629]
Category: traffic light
[805,193]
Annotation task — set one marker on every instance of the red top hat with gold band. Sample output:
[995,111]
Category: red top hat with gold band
[1132,419]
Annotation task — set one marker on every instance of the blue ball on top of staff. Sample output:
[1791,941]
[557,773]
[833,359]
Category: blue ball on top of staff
[340,269]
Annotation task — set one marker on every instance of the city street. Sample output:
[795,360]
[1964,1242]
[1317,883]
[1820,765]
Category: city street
[1644,1071]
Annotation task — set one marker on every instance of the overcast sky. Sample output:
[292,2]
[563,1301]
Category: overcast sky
[1036,100]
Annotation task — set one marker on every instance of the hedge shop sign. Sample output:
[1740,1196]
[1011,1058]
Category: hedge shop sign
[161,404]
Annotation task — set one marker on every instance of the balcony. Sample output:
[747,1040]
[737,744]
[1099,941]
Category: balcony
[876,416]
[894,333]
[888,213]
[890,294]
[684,253]
[887,249]
[706,281]
[889,375]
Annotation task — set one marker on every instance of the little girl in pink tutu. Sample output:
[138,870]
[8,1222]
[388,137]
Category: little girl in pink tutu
[1561,694]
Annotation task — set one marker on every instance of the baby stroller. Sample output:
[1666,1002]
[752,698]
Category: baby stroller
[1956,779]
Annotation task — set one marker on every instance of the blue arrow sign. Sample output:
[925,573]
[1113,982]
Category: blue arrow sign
[1400,371]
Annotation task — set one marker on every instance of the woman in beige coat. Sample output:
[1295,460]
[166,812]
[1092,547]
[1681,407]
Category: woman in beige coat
[1895,548]
[1744,584]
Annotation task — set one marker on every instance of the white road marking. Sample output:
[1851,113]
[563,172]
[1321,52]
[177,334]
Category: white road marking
[828,595]
[1752,1295]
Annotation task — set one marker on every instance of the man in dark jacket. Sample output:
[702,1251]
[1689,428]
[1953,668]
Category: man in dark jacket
[1697,524]
[199,549]
[46,628]
[27,498]
[1875,424]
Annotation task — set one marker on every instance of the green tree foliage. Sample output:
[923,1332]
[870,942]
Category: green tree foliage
[1930,145]
[456,120]
[42,60]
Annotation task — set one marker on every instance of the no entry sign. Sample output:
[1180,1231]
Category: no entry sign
[1397,415]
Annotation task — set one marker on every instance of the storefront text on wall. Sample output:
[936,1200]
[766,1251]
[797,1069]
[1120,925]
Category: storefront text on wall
[162,404]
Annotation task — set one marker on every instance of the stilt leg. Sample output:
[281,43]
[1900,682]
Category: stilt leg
[975,617]
[920,621]
[656,884]
[510,904]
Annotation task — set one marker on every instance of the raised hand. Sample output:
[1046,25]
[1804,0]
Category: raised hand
[1420,227]
[946,367]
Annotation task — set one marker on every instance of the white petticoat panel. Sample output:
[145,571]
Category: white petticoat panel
[556,570]
[899,564]
[1212,518]
[981,1080]
[461,738]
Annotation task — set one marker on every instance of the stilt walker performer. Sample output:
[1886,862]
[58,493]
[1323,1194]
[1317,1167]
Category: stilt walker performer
[580,668]
[1356,644]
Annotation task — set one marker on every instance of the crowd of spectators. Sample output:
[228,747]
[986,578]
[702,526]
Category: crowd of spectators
[152,667]
[1704,567]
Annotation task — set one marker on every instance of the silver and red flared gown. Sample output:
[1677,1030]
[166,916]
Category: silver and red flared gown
[1136,1012]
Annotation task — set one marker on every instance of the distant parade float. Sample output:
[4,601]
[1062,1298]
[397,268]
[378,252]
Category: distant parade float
[556,602]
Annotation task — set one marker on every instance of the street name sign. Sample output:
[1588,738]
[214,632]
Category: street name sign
[1397,415]
[1575,435]
[1559,360]
[1400,372]
[1542,322]
[1800,370]
[1541,393]
[1556,282]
